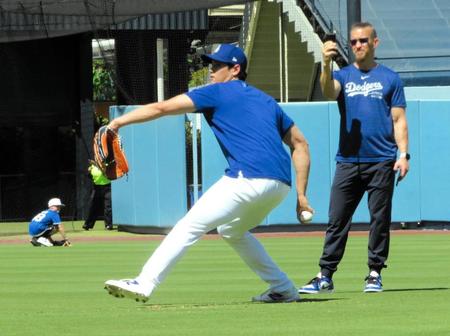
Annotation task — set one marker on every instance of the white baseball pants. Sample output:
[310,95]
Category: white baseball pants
[233,206]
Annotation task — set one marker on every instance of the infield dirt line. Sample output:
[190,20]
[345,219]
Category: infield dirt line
[145,237]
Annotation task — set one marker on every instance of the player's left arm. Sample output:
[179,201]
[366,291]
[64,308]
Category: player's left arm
[301,160]
[401,138]
[177,105]
[62,232]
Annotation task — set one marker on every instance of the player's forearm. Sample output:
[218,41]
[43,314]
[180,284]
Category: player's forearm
[327,82]
[62,232]
[401,138]
[176,105]
[139,115]
[302,162]
[401,134]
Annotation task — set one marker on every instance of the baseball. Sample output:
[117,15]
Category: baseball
[306,216]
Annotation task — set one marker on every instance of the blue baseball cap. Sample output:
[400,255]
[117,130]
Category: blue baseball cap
[227,53]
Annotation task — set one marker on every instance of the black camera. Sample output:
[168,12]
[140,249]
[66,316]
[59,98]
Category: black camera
[330,37]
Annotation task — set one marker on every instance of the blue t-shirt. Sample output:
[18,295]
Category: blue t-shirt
[43,221]
[365,102]
[249,126]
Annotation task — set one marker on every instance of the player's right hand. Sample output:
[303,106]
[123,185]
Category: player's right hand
[67,243]
[329,50]
[303,205]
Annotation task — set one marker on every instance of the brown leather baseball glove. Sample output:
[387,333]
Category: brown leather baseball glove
[108,153]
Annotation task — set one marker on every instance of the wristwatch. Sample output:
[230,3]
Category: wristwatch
[404,155]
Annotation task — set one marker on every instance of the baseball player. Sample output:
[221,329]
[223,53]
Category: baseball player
[47,223]
[373,128]
[250,128]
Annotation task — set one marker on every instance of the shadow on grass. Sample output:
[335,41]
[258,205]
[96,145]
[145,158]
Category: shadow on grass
[396,290]
[174,306]
[415,289]
[320,300]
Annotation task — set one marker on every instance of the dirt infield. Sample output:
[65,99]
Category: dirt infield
[145,237]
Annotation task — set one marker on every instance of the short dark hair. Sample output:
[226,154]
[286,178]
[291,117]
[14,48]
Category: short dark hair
[242,75]
[358,25]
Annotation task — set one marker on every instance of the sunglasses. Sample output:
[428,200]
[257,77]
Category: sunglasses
[361,40]
[217,66]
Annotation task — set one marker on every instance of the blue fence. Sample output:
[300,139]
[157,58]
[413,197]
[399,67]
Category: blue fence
[423,195]
[155,192]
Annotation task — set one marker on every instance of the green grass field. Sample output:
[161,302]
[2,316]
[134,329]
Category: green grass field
[59,291]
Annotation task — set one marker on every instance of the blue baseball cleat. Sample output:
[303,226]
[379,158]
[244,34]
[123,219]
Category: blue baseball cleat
[318,285]
[373,284]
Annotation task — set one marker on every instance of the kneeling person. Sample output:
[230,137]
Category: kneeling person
[47,223]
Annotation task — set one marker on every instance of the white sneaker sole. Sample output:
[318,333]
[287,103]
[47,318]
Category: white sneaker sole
[307,291]
[119,292]
[313,291]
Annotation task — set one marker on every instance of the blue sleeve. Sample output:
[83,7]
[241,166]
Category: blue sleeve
[205,98]
[398,94]
[337,74]
[55,218]
[284,121]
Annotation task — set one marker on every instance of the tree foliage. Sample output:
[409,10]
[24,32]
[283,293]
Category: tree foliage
[102,80]
[199,77]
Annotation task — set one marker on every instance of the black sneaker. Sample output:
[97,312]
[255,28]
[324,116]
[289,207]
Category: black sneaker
[86,228]
[34,242]
[58,242]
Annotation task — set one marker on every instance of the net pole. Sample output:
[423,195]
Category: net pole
[195,123]
[353,16]
[160,68]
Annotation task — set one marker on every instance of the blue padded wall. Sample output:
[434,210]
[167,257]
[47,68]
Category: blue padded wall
[154,194]
[406,204]
[434,160]
[313,120]
[423,195]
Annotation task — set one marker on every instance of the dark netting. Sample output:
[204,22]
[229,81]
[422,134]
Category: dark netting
[134,69]
[39,105]
[58,91]
[31,19]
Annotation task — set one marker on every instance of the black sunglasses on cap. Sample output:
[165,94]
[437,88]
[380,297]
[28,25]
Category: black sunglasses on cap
[361,40]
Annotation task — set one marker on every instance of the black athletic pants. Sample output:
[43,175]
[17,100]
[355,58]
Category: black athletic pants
[99,205]
[351,180]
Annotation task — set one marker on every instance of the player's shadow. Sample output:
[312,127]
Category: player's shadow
[190,306]
[415,289]
[319,300]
